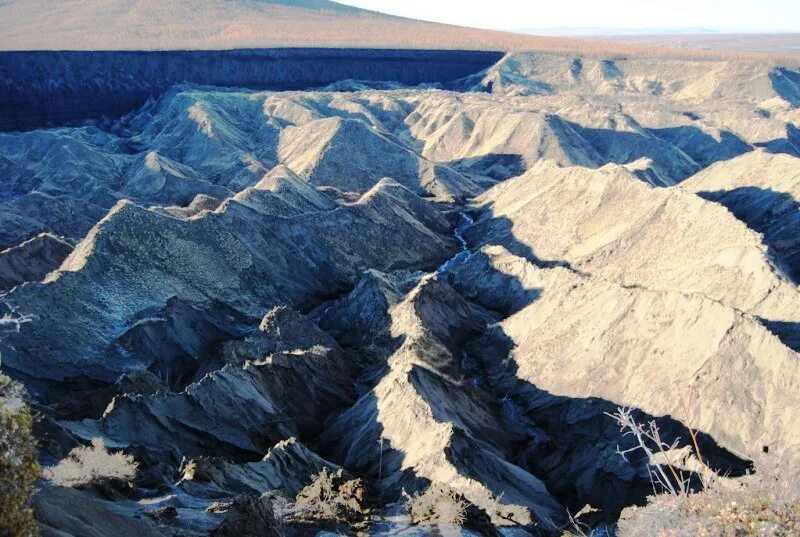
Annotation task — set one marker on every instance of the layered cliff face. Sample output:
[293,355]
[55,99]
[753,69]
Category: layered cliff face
[423,289]
[49,88]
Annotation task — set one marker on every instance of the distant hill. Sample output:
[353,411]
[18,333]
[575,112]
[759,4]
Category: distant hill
[229,24]
[220,24]
[596,31]
[775,43]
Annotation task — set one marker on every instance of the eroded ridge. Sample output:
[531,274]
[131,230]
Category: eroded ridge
[343,308]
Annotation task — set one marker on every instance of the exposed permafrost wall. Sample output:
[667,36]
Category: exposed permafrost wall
[39,89]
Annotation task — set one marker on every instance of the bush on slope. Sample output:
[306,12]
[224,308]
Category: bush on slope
[18,467]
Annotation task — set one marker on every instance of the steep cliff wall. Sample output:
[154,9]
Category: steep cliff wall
[40,89]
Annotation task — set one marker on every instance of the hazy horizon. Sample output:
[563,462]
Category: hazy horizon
[600,31]
[620,16]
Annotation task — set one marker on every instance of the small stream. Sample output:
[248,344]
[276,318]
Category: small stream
[466,222]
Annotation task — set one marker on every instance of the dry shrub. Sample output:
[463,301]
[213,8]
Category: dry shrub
[666,472]
[331,498]
[438,506]
[18,468]
[765,503]
[90,464]
[445,509]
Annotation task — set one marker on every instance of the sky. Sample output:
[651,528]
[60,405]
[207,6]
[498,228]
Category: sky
[720,15]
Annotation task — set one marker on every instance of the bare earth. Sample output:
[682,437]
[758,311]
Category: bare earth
[377,309]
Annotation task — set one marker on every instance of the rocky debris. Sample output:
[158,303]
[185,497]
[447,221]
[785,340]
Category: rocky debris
[63,511]
[497,280]
[668,145]
[361,319]
[55,441]
[218,134]
[322,153]
[202,141]
[578,461]
[138,382]
[284,330]
[215,417]
[163,181]
[112,488]
[528,134]
[177,338]
[165,515]
[92,401]
[677,79]
[57,182]
[282,382]
[300,353]
[288,467]
[423,420]
[250,516]
[28,215]
[664,159]
[32,260]
[209,417]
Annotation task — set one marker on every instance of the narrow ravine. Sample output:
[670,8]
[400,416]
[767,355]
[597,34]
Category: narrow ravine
[465,222]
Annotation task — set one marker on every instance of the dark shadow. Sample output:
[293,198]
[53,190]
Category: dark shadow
[788,332]
[382,466]
[496,166]
[569,443]
[625,147]
[789,145]
[487,228]
[668,148]
[702,147]
[576,68]
[499,293]
[443,382]
[786,84]
[572,445]
[179,339]
[611,70]
[54,88]
[178,344]
[776,215]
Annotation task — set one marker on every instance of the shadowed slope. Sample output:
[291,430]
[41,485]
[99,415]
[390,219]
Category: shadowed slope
[763,191]
[135,260]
